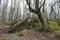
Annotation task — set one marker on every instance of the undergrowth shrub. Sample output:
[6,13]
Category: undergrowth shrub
[50,25]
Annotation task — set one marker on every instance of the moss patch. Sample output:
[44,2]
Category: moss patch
[52,25]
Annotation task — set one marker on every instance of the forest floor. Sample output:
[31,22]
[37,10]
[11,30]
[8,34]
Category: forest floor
[27,34]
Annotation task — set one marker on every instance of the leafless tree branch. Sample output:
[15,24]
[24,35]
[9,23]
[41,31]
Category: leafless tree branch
[30,8]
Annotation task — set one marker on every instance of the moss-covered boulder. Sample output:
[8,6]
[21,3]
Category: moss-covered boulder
[52,25]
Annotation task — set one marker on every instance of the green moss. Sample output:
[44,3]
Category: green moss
[52,25]
[36,25]
[35,20]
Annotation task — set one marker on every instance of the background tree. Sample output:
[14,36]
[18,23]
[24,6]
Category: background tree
[4,11]
[53,14]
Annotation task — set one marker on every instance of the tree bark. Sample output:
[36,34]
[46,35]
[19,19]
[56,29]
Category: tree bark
[41,18]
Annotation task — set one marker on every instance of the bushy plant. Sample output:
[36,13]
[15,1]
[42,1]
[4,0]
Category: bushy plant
[36,25]
[35,20]
[52,25]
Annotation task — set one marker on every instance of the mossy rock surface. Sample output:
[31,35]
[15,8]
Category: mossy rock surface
[52,25]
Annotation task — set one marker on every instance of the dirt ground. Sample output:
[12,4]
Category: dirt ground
[26,35]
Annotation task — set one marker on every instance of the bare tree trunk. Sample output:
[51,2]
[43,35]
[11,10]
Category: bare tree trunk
[4,11]
[42,22]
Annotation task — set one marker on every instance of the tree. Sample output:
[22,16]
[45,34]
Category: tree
[52,10]
[4,11]
[15,11]
[11,16]
[37,11]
